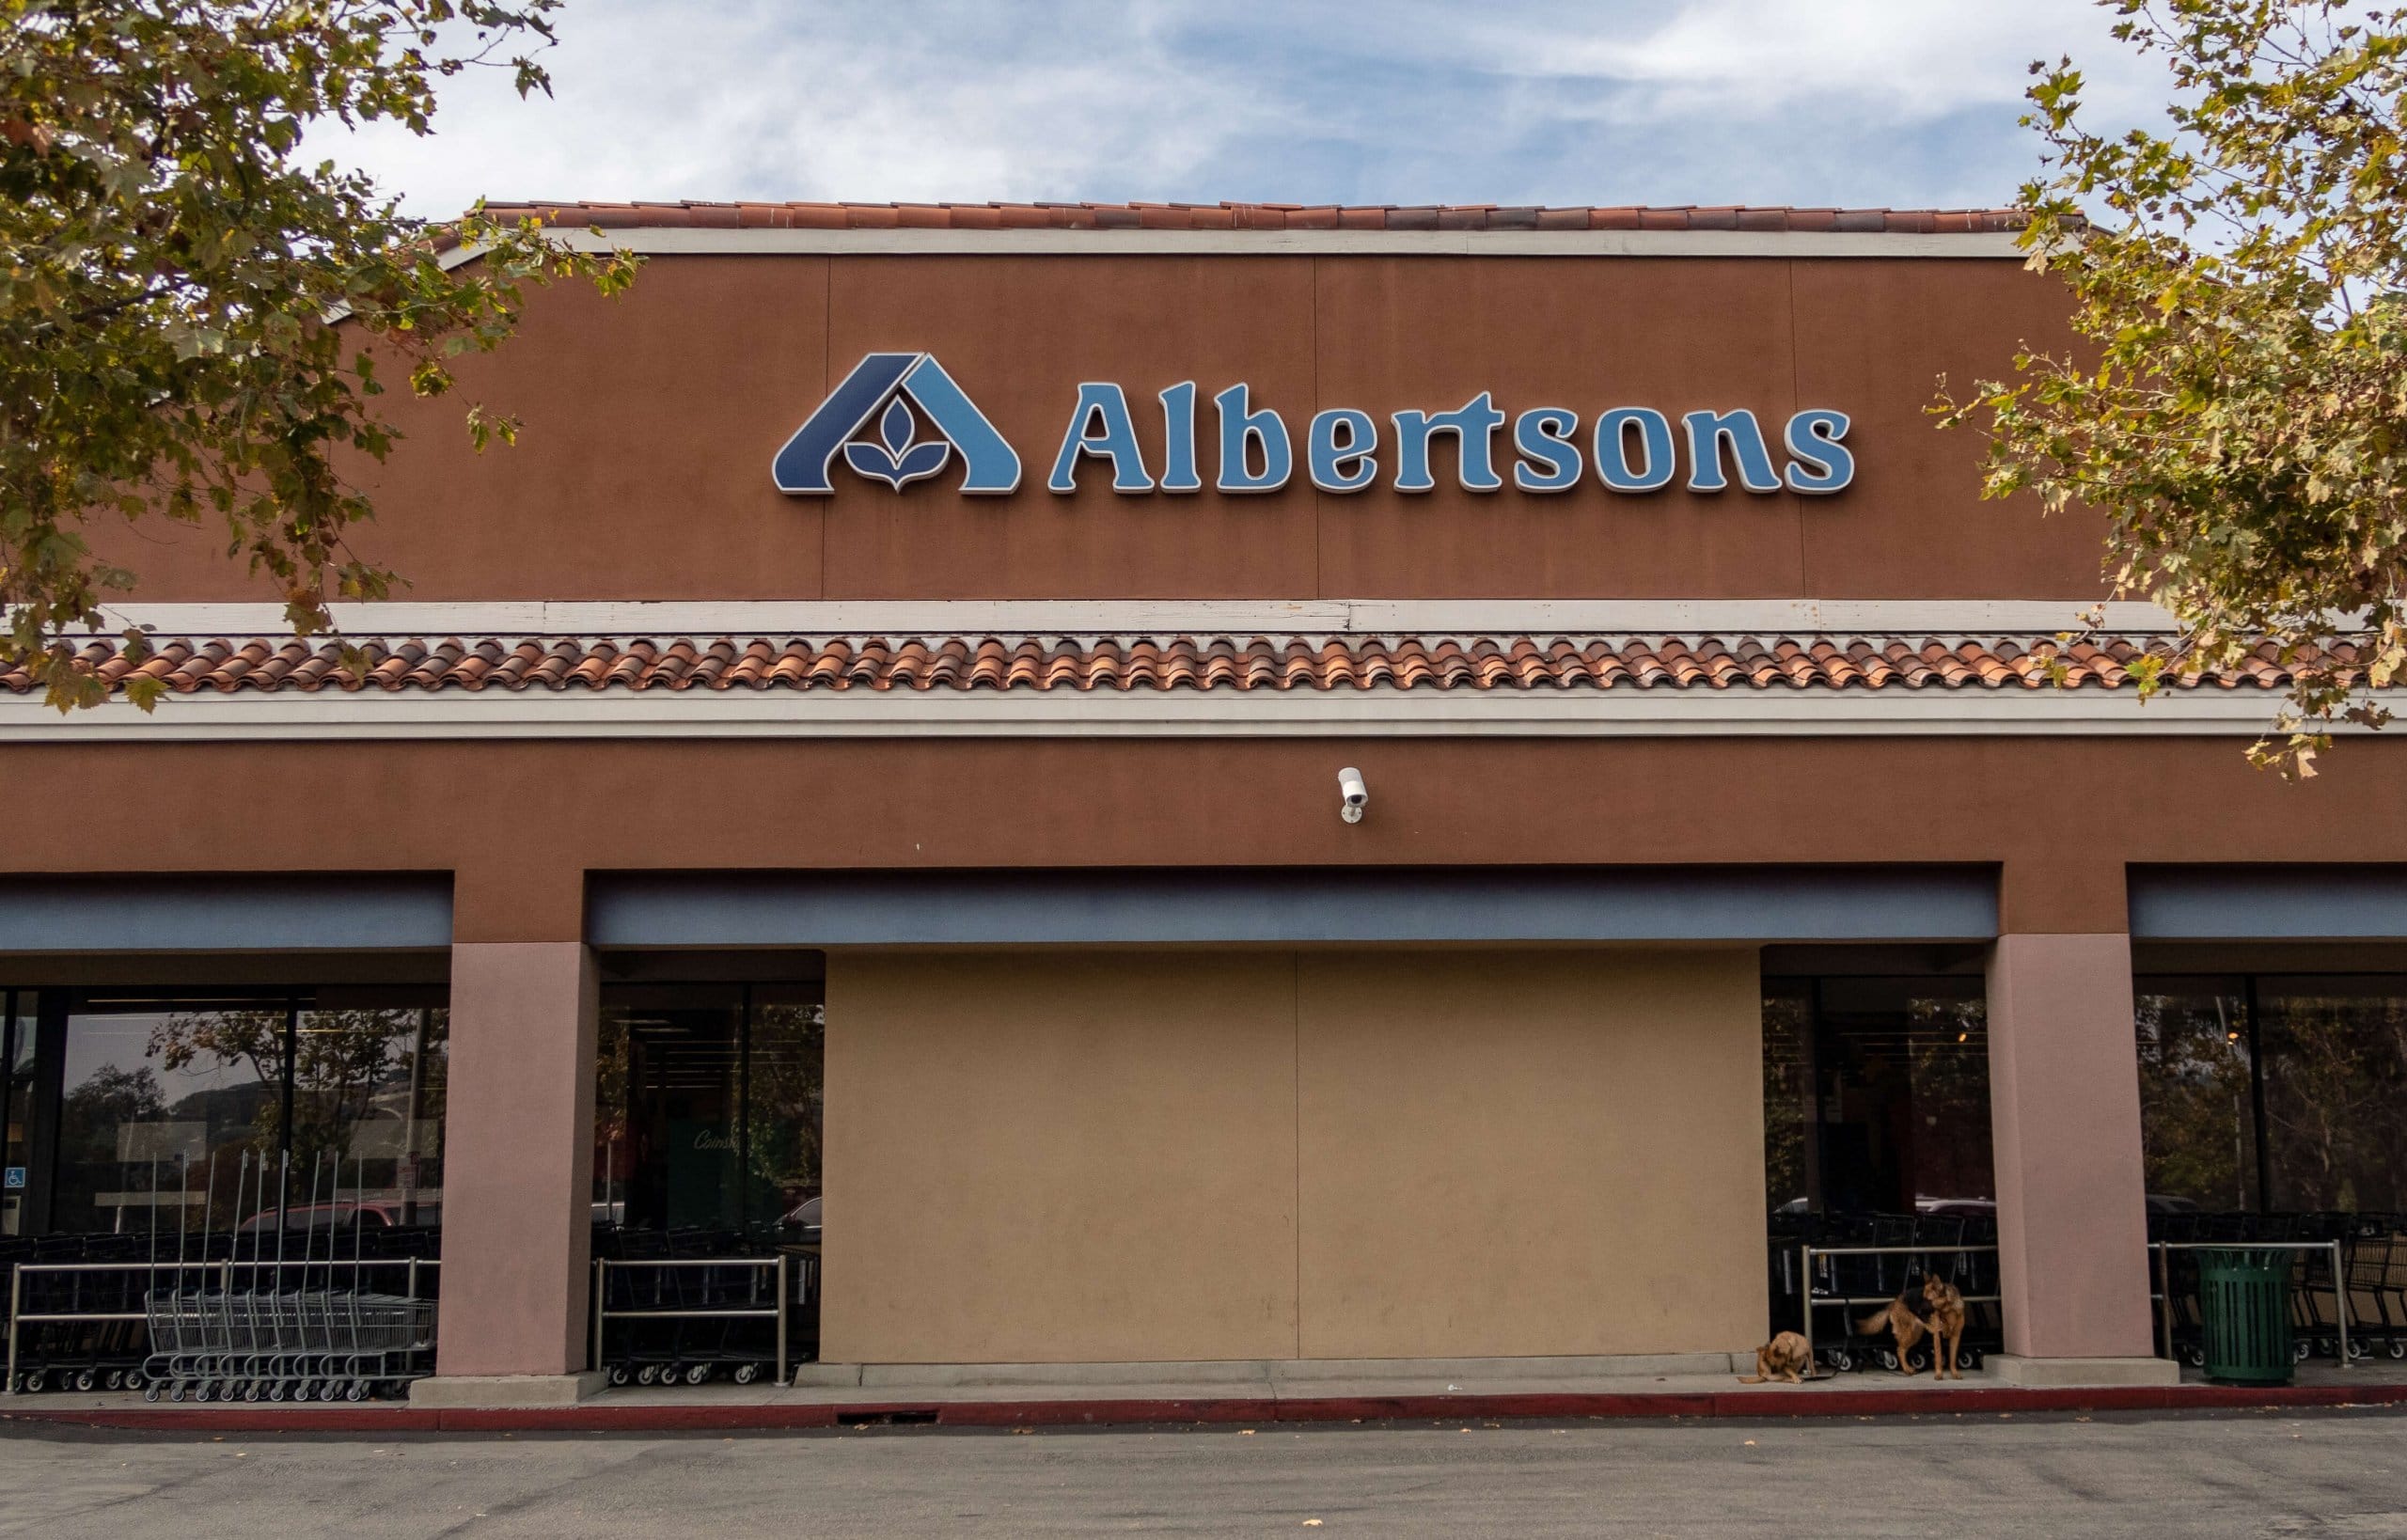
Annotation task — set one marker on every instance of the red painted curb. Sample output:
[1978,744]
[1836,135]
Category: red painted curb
[604,1416]
[1022,1414]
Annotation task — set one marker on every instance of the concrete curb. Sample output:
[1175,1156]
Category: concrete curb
[1100,1411]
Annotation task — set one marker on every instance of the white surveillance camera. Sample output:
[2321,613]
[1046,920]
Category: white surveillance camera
[1354,795]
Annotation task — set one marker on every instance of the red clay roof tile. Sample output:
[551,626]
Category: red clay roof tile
[1502,662]
[1255,217]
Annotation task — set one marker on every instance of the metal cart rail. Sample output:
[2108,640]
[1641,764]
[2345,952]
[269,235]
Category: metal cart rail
[1829,1301]
[222,1270]
[604,1315]
[2163,1295]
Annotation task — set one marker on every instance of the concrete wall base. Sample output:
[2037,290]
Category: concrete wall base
[505,1390]
[1268,1370]
[2016,1370]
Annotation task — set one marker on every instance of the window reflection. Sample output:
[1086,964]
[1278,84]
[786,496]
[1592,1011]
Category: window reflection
[1788,1094]
[1876,1095]
[16,1106]
[2197,1121]
[2274,1092]
[788,1109]
[709,1107]
[223,1114]
[151,1098]
[2336,1092]
[368,1091]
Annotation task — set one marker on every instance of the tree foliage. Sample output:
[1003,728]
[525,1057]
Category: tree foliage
[343,1062]
[196,321]
[2236,404]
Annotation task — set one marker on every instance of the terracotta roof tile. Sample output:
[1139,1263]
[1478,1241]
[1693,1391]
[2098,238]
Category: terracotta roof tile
[229,665]
[1256,216]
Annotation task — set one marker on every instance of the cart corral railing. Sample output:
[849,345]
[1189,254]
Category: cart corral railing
[2307,1294]
[175,1277]
[1814,1301]
[711,1297]
[2302,1293]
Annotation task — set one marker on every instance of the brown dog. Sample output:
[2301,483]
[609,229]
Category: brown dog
[1784,1358]
[1936,1309]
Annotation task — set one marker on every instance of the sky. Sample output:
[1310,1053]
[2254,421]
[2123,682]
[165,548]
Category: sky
[1896,103]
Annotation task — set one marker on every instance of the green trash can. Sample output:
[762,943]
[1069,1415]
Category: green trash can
[2244,1303]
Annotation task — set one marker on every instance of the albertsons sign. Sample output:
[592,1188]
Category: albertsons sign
[898,418]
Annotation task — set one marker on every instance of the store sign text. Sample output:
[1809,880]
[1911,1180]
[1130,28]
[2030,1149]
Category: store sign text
[898,418]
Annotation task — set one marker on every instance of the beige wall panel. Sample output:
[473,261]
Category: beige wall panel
[1527,1154]
[1060,1158]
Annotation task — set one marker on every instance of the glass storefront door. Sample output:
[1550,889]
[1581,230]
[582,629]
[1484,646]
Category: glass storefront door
[1876,1095]
[708,1109]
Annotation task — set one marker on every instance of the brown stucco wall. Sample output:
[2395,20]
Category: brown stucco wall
[1150,1156]
[521,822]
[1529,1153]
[1054,1158]
[650,421]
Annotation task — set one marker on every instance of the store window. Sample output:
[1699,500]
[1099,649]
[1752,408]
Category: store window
[158,1100]
[1876,1095]
[2274,1092]
[1789,1162]
[2197,1092]
[709,1109]
[16,1108]
[368,1093]
[190,1113]
[2336,1092]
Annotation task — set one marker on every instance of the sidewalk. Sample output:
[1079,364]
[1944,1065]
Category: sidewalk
[1265,1400]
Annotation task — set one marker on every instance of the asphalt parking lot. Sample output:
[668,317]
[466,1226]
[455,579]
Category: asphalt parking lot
[2322,1474]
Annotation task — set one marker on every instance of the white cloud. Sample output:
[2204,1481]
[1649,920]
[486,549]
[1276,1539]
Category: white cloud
[723,99]
[1898,101]
[1900,58]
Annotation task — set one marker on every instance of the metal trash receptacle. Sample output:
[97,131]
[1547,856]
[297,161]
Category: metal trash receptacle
[2244,1307]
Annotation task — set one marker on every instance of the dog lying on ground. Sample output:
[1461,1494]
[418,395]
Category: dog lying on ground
[1784,1358]
[1933,1310]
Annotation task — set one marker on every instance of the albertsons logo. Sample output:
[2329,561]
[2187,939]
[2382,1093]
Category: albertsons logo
[896,381]
[898,418]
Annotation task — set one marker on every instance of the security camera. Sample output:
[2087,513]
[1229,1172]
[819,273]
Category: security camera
[1355,797]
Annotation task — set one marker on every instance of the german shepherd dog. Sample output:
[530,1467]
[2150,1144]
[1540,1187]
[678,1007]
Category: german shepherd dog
[1784,1358]
[1935,1309]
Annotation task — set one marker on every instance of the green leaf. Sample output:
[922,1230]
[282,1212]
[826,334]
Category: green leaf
[189,311]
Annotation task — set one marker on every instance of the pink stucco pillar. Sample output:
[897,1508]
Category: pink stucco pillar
[518,1160]
[2065,1109]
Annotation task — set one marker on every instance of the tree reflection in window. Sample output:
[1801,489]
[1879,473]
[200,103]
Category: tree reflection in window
[2276,1093]
[156,1093]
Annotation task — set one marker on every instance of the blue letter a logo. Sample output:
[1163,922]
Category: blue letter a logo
[887,385]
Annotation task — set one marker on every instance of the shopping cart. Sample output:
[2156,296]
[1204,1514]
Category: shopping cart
[687,1306]
[277,1329]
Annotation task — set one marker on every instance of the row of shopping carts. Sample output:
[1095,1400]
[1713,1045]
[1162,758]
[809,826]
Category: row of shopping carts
[686,1306]
[294,1303]
[2347,1279]
[1828,1269]
[75,1313]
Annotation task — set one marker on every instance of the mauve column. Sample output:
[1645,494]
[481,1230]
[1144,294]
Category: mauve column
[518,1163]
[2071,1197]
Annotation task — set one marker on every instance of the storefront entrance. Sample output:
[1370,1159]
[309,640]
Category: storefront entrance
[1877,1094]
[709,1122]
[709,1109]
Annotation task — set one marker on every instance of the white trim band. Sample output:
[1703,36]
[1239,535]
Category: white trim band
[1379,712]
[686,239]
[1165,616]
